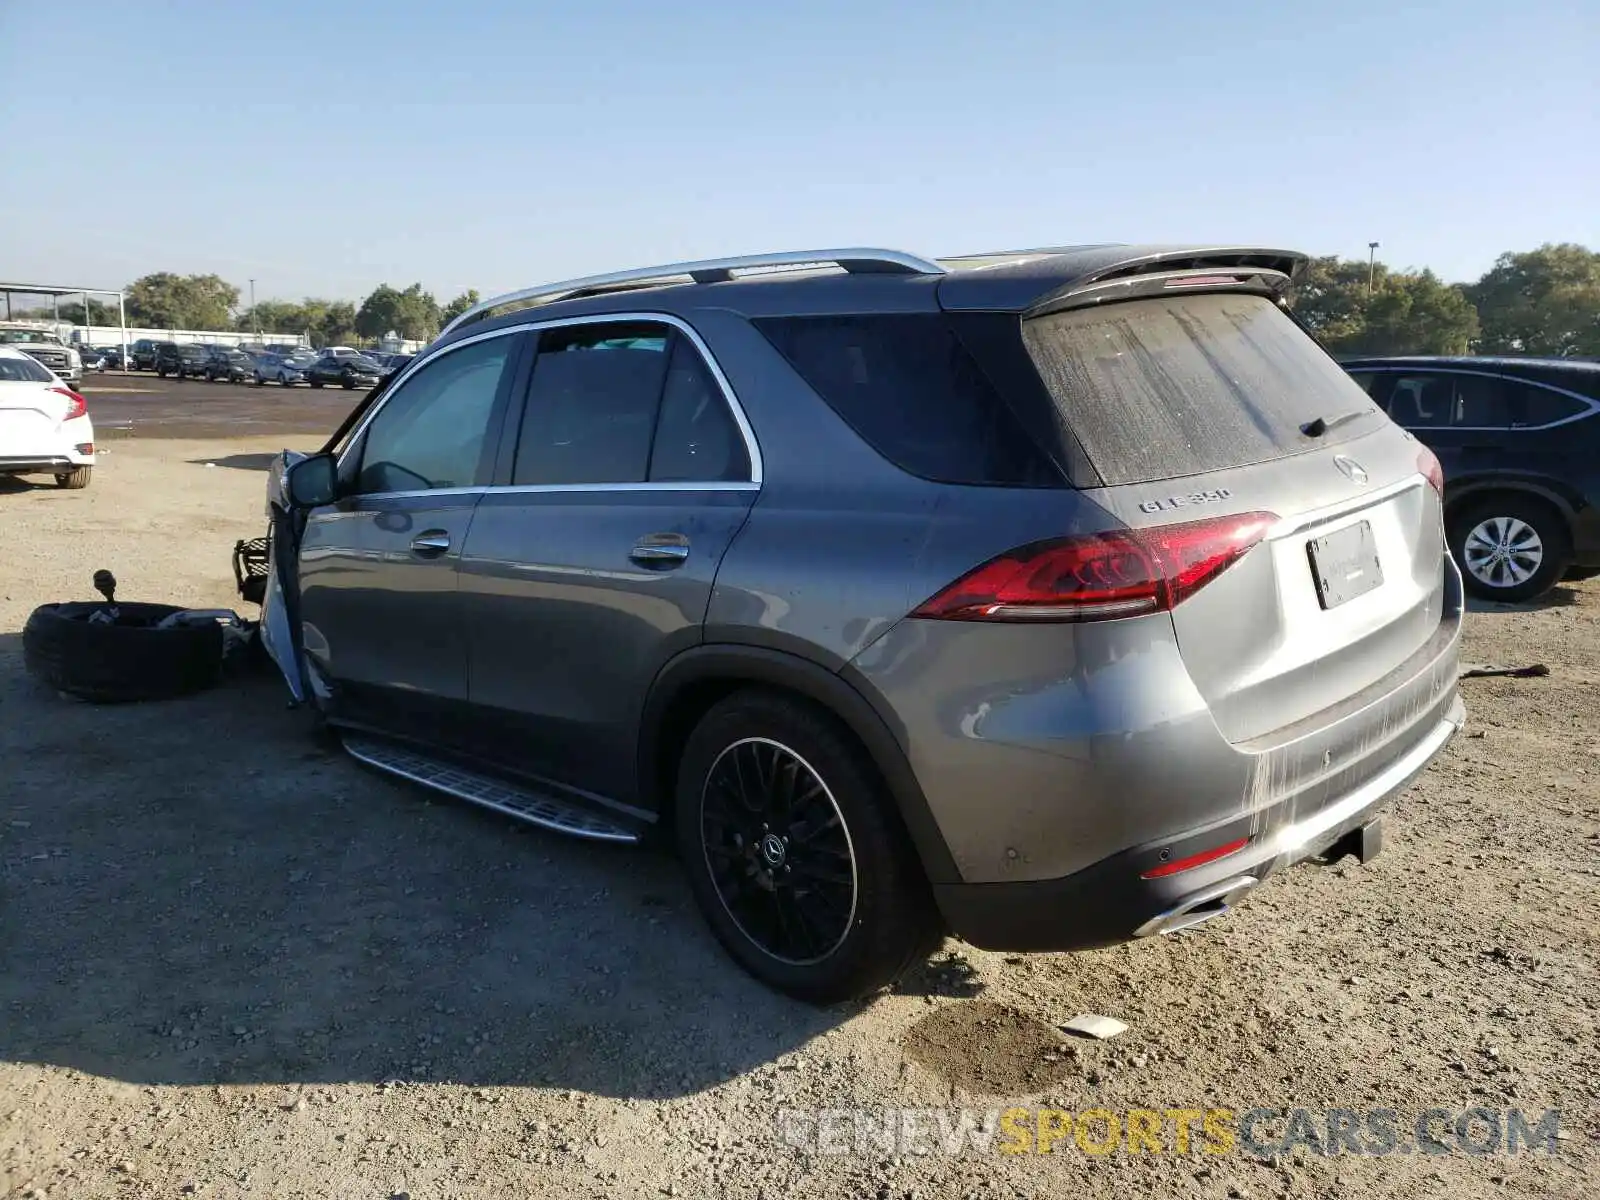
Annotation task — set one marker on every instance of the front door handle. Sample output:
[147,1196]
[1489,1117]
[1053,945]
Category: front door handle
[432,543]
[660,550]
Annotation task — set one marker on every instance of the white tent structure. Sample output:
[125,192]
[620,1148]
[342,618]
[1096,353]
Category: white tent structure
[55,292]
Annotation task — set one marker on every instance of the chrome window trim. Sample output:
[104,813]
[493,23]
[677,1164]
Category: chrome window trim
[514,488]
[752,447]
[1589,402]
[663,486]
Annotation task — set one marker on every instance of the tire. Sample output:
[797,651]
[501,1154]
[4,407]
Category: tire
[1536,534]
[260,382]
[316,383]
[161,372]
[348,384]
[76,478]
[283,380]
[849,949]
[127,661]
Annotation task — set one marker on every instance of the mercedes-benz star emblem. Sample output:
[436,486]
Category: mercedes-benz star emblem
[1350,468]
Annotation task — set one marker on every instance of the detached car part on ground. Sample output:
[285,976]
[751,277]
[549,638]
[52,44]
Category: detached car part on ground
[1053,598]
[113,651]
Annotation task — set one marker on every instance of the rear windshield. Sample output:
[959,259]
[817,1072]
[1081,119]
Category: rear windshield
[22,370]
[1171,386]
[911,390]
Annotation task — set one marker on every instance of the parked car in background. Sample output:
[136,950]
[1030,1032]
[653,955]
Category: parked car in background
[1519,441]
[227,363]
[44,424]
[388,364]
[111,358]
[92,357]
[48,349]
[186,360]
[143,353]
[283,369]
[348,371]
[1179,613]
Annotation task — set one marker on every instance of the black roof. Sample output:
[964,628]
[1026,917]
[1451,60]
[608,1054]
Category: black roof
[1007,281]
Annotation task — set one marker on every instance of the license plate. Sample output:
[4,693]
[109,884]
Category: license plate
[1344,564]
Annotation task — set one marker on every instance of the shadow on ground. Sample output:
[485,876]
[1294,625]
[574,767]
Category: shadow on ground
[238,462]
[1559,596]
[196,892]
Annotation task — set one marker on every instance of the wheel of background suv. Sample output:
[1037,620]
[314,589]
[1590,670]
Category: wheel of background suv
[162,372]
[78,477]
[793,853]
[283,380]
[1510,547]
[316,383]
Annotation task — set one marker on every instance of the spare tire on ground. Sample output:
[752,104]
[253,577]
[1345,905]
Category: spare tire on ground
[128,659]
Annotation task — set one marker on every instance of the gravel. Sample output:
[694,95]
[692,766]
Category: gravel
[232,963]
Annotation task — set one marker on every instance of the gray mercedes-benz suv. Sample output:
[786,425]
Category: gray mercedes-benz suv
[1053,598]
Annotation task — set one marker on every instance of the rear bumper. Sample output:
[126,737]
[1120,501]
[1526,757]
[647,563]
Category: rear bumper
[1110,902]
[41,464]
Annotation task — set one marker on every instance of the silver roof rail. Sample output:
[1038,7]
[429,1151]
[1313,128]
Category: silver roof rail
[857,260]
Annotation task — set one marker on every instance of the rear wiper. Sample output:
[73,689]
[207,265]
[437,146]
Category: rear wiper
[1320,426]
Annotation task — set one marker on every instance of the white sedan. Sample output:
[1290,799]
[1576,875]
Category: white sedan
[44,424]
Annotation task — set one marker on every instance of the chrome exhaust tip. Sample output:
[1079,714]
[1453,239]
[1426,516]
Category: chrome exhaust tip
[1198,907]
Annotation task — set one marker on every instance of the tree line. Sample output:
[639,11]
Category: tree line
[167,301]
[1544,302]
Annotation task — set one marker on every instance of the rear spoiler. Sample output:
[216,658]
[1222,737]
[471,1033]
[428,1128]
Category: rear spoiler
[1258,271]
[1033,282]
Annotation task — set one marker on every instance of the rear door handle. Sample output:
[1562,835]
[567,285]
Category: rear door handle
[660,550]
[431,544]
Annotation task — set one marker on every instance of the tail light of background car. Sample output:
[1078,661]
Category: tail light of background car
[1099,576]
[1428,464]
[76,407]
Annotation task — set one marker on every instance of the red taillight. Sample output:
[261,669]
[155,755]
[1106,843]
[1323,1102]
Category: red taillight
[1098,576]
[1428,464]
[75,403]
[1196,860]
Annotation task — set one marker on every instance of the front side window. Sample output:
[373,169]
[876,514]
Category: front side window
[433,431]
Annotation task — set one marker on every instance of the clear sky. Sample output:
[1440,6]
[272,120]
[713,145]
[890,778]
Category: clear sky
[324,146]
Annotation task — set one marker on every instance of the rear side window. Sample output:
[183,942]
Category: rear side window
[1541,406]
[625,403]
[909,388]
[1180,385]
[23,370]
[591,405]
[696,439]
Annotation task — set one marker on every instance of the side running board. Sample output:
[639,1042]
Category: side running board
[514,799]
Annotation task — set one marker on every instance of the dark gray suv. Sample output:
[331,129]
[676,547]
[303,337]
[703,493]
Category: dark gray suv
[1053,598]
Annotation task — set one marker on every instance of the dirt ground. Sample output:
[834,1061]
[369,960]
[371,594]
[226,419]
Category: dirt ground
[233,963]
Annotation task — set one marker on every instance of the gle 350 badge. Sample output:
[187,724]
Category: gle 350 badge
[1168,503]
